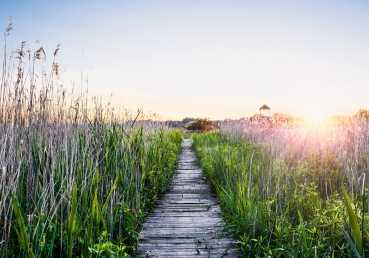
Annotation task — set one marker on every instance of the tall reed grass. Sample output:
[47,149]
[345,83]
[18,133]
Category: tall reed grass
[280,186]
[78,176]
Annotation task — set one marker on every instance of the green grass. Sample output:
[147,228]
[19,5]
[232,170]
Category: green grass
[88,188]
[278,209]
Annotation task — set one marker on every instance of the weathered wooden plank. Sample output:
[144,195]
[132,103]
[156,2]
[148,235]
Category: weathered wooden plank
[195,175]
[173,226]
[185,216]
[190,254]
[212,249]
[191,204]
[207,206]
[186,232]
[163,211]
[182,220]
[193,171]
[189,195]
[179,200]
[189,182]
[186,166]
[188,179]
[214,239]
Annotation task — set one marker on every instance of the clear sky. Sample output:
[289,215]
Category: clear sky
[215,59]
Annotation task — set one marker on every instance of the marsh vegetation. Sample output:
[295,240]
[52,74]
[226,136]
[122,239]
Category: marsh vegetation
[292,189]
[77,176]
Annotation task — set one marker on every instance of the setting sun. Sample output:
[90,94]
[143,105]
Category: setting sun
[316,115]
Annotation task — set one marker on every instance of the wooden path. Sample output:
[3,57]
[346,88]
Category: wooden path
[186,221]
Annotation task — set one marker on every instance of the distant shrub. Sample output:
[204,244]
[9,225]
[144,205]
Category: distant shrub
[202,124]
[208,125]
[194,125]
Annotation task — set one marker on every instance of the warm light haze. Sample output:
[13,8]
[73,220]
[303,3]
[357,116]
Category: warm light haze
[215,59]
[316,115]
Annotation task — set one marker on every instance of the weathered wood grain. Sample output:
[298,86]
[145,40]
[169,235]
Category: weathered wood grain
[186,221]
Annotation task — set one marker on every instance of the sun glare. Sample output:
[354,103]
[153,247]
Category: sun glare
[316,115]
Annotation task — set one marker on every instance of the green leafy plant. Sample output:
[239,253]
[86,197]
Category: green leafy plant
[358,239]
[22,232]
[105,248]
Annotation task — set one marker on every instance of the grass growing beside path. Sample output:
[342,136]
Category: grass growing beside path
[84,193]
[279,210]
[77,178]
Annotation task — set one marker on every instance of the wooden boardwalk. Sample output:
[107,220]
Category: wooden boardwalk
[186,221]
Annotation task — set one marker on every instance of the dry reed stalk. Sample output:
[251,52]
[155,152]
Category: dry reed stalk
[3,176]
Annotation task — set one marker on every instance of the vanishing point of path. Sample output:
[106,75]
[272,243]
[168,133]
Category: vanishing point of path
[186,221]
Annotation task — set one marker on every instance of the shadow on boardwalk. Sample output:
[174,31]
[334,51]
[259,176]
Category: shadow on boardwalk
[186,221]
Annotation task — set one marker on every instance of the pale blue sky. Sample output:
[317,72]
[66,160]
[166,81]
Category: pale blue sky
[217,59]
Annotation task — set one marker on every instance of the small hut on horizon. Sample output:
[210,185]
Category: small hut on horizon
[264,107]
